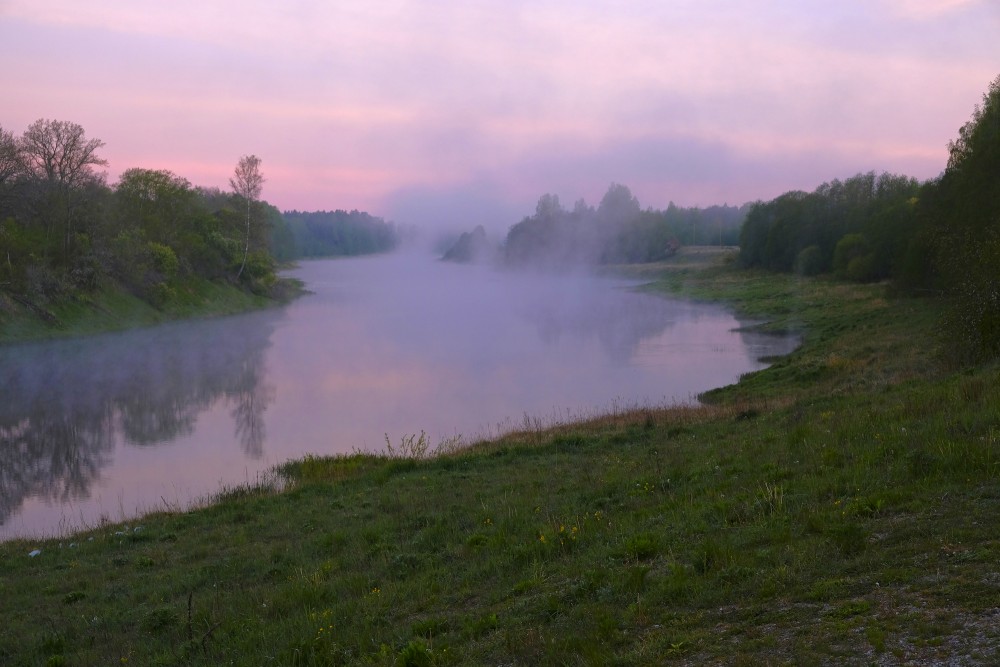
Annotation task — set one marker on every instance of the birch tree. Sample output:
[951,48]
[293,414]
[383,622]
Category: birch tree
[247,183]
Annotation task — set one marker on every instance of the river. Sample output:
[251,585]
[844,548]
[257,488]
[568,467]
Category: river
[108,427]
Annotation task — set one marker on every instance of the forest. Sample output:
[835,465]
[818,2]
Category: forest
[65,232]
[618,231]
[331,233]
[938,239]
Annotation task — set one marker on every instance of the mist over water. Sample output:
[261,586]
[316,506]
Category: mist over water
[110,426]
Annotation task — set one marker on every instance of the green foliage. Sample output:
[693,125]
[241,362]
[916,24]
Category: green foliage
[65,234]
[854,259]
[800,232]
[330,233]
[618,231]
[809,261]
[162,259]
[259,272]
[963,214]
[415,654]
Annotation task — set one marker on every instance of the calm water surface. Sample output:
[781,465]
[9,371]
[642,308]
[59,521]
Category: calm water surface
[110,426]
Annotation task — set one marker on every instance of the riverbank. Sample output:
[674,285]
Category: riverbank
[114,309]
[839,506]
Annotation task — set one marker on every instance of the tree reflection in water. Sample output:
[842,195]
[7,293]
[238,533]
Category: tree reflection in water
[65,405]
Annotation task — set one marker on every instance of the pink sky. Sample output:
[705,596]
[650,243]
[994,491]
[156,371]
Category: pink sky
[463,112]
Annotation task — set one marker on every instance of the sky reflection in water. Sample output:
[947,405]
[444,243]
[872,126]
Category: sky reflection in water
[385,346]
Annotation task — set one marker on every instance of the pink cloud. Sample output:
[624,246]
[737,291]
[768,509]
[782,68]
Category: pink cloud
[351,103]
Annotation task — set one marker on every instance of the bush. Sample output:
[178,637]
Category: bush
[862,269]
[809,261]
[849,247]
[163,259]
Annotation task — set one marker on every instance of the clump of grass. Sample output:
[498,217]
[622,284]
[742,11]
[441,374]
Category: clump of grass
[410,446]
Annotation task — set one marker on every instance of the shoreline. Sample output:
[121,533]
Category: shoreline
[837,506]
[48,525]
[113,309]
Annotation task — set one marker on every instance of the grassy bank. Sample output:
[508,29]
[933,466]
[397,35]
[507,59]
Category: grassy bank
[839,507]
[113,309]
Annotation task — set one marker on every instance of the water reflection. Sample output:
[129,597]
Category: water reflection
[111,425]
[66,404]
[619,320]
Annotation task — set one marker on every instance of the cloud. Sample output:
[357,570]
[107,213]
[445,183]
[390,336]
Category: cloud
[398,107]
[929,9]
[456,208]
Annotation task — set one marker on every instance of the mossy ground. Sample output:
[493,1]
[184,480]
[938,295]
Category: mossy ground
[838,508]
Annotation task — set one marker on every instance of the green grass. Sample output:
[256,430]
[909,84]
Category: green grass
[840,507]
[113,309]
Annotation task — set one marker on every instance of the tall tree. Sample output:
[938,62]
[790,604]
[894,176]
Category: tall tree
[247,183]
[10,156]
[967,223]
[158,201]
[58,155]
[59,152]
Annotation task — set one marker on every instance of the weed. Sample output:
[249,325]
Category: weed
[415,654]
[410,447]
[641,547]
[156,620]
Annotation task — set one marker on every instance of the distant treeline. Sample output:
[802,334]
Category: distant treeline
[331,233]
[619,230]
[65,231]
[941,237]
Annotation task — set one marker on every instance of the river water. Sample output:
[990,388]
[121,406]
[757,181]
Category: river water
[108,427]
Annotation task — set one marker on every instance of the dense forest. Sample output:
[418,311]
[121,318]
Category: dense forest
[857,228]
[619,230]
[331,233]
[939,238]
[64,231]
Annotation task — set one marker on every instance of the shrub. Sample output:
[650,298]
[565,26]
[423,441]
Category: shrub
[809,262]
[849,248]
[162,259]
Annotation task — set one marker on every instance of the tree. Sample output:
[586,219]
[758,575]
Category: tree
[58,156]
[158,201]
[965,212]
[57,151]
[247,183]
[618,205]
[10,156]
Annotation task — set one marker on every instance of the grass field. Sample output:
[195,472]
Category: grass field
[839,507]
